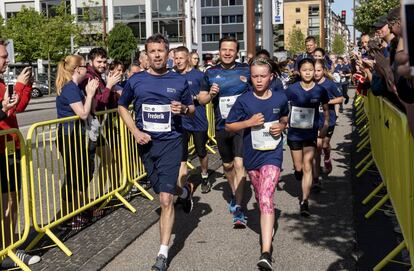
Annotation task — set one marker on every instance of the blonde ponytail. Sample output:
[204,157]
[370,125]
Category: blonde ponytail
[66,68]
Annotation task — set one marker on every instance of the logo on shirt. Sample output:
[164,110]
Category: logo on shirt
[314,100]
[243,78]
[171,90]
[218,76]
[276,110]
[190,83]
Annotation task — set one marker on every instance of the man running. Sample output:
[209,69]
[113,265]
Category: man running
[161,97]
[222,85]
[196,125]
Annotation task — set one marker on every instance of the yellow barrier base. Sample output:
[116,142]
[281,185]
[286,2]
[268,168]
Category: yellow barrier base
[145,192]
[19,262]
[373,193]
[377,206]
[362,171]
[390,256]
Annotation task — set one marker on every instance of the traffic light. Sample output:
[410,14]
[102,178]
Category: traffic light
[343,16]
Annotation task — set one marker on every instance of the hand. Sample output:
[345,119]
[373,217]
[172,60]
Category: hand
[368,63]
[176,107]
[214,90]
[276,129]
[256,120]
[24,76]
[404,69]
[324,131]
[113,79]
[91,87]
[6,104]
[141,138]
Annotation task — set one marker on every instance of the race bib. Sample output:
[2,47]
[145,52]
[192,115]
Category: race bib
[320,109]
[262,140]
[302,118]
[156,118]
[225,104]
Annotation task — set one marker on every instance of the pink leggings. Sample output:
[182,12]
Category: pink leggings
[264,182]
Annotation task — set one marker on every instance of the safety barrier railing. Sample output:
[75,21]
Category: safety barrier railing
[72,168]
[14,202]
[392,150]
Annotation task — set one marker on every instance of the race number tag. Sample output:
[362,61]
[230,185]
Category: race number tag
[156,118]
[302,118]
[320,109]
[262,140]
[225,104]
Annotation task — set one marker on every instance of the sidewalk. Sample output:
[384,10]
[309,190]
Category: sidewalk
[205,240]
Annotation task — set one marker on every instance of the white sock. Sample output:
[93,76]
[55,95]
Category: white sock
[204,175]
[163,251]
[184,194]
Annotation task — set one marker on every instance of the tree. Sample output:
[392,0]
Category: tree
[121,43]
[338,45]
[369,10]
[2,34]
[88,32]
[25,30]
[296,41]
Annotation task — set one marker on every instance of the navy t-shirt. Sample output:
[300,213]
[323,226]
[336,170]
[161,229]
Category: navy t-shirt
[152,96]
[333,92]
[232,82]
[304,111]
[70,94]
[197,122]
[273,109]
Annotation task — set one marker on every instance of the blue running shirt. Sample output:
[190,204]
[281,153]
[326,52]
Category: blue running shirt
[260,148]
[152,96]
[232,82]
[304,111]
[198,122]
[333,92]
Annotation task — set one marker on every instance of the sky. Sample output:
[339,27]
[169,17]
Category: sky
[347,5]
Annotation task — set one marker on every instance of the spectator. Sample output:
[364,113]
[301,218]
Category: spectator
[208,62]
[170,60]
[11,183]
[117,67]
[195,60]
[134,67]
[71,101]
[143,60]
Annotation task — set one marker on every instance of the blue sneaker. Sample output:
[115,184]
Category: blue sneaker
[239,219]
[232,205]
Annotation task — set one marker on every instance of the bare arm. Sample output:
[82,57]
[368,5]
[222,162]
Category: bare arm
[255,120]
[82,110]
[141,137]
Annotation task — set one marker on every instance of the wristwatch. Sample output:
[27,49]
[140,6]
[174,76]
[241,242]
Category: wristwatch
[185,110]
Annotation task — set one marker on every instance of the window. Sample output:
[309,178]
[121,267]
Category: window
[313,10]
[297,21]
[128,12]
[172,29]
[238,35]
[210,20]
[297,10]
[211,37]
[10,14]
[139,30]
[92,14]
[231,2]
[313,31]
[166,8]
[314,21]
[231,19]
[209,3]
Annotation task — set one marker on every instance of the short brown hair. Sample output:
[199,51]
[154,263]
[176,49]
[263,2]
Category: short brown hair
[182,49]
[229,38]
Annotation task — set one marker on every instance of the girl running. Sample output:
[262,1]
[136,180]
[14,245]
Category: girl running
[262,114]
[305,99]
[323,143]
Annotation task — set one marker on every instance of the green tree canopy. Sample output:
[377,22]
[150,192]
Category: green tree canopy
[338,45]
[121,43]
[296,41]
[25,30]
[369,10]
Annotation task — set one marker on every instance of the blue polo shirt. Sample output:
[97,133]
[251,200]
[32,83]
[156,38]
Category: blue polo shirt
[333,92]
[70,94]
[152,94]
[197,122]
[232,82]
[273,109]
[304,104]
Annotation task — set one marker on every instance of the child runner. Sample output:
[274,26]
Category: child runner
[335,97]
[262,114]
[305,98]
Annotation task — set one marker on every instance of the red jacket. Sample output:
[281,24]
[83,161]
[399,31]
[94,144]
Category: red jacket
[11,121]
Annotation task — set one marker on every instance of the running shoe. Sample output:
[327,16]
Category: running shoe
[205,185]
[239,219]
[327,166]
[79,222]
[188,201]
[265,261]
[22,255]
[232,205]
[304,208]
[160,263]
[317,185]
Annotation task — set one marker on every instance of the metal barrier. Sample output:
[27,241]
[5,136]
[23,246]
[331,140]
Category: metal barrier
[392,148]
[14,213]
[70,173]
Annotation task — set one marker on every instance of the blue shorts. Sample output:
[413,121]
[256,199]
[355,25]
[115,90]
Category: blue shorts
[161,159]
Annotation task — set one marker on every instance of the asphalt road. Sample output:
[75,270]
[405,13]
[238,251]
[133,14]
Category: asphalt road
[205,240]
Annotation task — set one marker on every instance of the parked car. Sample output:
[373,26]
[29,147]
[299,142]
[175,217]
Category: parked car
[39,89]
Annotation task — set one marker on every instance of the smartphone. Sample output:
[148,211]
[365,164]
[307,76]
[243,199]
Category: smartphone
[10,90]
[407,22]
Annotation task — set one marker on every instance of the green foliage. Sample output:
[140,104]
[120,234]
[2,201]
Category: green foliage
[25,30]
[88,31]
[2,34]
[369,10]
[296,41]
[121,43]
[338,45]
